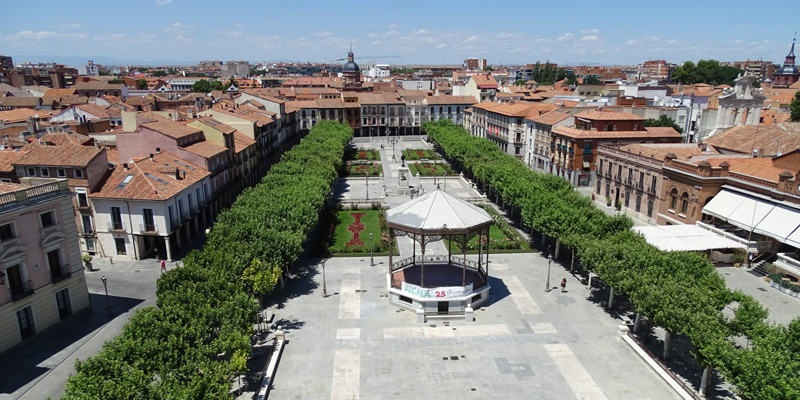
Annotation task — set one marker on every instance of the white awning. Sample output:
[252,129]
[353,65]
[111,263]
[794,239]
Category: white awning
[759,215]
[686,238]
[723,204]
[780,223]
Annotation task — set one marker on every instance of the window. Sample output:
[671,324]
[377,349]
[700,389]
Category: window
[45,172]
[627,199]
[197,192]
[83,201]
[650,209]
[149,222]
[116,218]
[63,303]
[598,186]
[90,245]
[31,171]
[191,202]
[638,203]
[86,220]
[6,232]
[608,189]
[653,185]
[405,299]
[120,245]
[25,321]
[54,262]
[78,173]
[674,201]
[600,171]
[47,218]
[684,203]
[516,150]
[180,207]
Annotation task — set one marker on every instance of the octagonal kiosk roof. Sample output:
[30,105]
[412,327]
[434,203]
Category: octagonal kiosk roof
[438,212]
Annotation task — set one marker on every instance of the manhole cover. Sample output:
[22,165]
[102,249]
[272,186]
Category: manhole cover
[762,289]
[445,358]
[138,270]
[433,326]
[472,389]
[463,356]
[454,358]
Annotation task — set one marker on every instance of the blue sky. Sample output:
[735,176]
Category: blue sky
[436,32]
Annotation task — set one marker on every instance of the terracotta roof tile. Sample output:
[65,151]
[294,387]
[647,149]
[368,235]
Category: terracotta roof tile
[205,149]
[20,101]
[94,109]
[447,99]
[160,185]
[170,128]
[584,134]
[8,157]
[684,151]
[484,81]
[68,156]
[551,118]
[59,92]
[210,121]
[242,141]
[784,137]
[598,115]
[17,115]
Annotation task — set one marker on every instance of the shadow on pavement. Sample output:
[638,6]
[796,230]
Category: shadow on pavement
[499,291]
[300,283]
[26,363]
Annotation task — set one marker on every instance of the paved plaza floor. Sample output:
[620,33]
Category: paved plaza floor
[527,343]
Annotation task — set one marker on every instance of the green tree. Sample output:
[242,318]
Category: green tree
[159,73]
[705,71]
[591,80]
[663,121]
[488,68]
[216,85]
[104,73]
[201,86]
[572,80]
[794,107]
[142,84]
[519,82]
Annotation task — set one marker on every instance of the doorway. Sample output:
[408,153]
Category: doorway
[444,307]
[120,244]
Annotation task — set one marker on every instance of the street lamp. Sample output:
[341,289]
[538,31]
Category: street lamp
[324,287]
[549,260]
[371,259]
[108,303]
[366,175]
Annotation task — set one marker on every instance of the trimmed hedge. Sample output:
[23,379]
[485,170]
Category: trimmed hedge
[197,337]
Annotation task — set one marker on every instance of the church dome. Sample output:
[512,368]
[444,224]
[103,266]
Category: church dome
[787,70]
[350,65]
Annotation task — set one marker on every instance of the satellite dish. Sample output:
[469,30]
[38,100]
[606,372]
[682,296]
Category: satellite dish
[130,161]
[35,115]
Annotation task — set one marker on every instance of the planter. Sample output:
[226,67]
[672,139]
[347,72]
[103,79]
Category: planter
[774,284]
[88,266]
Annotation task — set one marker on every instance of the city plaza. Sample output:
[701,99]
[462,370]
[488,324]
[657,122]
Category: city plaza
[500,335]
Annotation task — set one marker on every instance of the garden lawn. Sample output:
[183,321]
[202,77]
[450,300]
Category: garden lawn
[434,169]
[371,155]
[496,234]
[371,225]
[420,154]
[372,172]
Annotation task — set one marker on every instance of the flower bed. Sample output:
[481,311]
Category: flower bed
[502,238]
[420,154]
[359,170]
[349,232]
[430,169]
[364,154]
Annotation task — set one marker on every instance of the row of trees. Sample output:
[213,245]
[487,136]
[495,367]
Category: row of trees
[680,292]
[204,86]
[663,121]
[705,71]
[197,336]
[547,74]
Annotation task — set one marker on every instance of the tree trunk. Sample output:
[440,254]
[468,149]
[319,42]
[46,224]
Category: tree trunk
[558,248]
[667,346]
[637,322]
[544,239]
[647,331]
[572,261]
[705,381]
[611,299]
[280,276]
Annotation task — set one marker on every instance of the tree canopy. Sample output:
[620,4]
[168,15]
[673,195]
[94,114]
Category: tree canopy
[142,84]
[159,73]
[488,68]
[519,82]
[201,86]
[664,121]
[794,107]
[681,292]
[197,336]
[706,71]
[547,73]
[591,80]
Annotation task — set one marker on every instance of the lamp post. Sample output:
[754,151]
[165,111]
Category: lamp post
[371,259]
[549,260]
[108,304]
[324,287]
[366,175]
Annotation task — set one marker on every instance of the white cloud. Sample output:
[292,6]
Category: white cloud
[421,32]
[377,42]
[590,38]
[568,36]
[163,2]
[391,33]
[441,46]
[472,38]
[70,26]
[176,28]
[28,37]
[182,40]
[590,31]
[371,24]
[372,35]
[238,25]
[392,26]
[324,34]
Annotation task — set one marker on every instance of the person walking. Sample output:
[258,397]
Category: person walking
[163,266]
[563,284]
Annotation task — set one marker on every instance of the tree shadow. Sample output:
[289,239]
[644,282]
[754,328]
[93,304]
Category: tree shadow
[498,290]
[32,358]
[287,325]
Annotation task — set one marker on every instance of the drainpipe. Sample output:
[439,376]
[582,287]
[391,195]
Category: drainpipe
[130,222]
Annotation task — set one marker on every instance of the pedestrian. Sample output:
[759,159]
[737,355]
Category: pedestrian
[563,284]
[163,266]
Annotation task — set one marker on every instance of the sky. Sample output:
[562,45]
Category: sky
[434,32]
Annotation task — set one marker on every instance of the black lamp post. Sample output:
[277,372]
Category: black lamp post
[549,260]
[371,259]
[324,287]
[366,175]
[108,302]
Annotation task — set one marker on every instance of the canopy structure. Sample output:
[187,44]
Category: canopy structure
[430,218]
[686,238]
[757,214]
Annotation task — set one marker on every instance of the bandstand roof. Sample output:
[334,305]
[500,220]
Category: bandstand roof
[431,212]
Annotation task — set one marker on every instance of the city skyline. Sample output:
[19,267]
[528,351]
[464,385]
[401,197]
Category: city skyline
[183,32]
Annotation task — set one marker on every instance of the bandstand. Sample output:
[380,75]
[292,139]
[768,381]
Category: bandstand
[439,285]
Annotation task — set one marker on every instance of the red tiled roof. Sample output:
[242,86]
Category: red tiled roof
[94,109]
[210,121]
[57,156]
[551,118]
[242,141]
[598,115]
[447,99]
[8,157]
[170,128]
[485,81]
[59,92]
[18,115]
[205,149]
[584,134]
[143,187]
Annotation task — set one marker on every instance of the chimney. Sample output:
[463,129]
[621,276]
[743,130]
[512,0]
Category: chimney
[158,150]
[151,156]
[177,174]
[125,165]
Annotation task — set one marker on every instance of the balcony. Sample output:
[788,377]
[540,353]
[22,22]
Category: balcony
[151,229]
[60,273]
[21,291]
[571,151]
[587,152]
[788,263]
[651,190]
[116,227]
